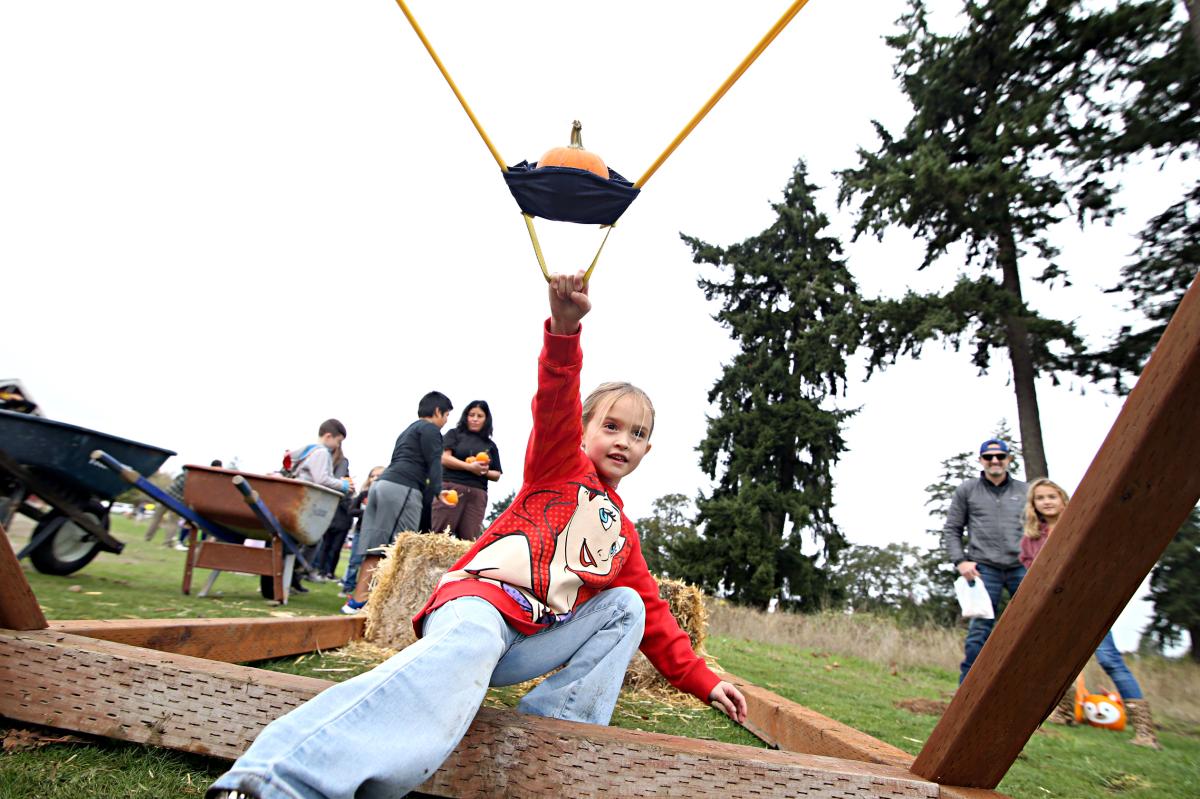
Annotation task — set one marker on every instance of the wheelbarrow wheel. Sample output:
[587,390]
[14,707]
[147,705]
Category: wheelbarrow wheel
[69,547]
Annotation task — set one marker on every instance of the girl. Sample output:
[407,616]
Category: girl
[471,436]
[1043,508]
[557,580]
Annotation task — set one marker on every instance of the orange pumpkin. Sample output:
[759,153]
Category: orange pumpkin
[574,156]
[471,459]
[450,497]
[483,457]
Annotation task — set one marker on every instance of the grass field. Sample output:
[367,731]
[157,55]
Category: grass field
[866,673]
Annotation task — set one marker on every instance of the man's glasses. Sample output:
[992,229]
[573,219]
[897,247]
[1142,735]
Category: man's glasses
[994,456]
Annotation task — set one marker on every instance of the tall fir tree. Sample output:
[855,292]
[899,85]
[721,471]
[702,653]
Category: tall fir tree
[790,302]
[1162,121]
[999,110]
[1175,591]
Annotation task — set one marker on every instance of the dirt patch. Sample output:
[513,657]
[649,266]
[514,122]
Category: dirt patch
[923,707]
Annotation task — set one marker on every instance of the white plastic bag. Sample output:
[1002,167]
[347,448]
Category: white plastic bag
[973,599]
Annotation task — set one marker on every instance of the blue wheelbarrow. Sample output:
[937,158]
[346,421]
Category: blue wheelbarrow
[49,460]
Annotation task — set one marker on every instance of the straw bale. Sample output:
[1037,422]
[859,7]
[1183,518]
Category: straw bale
[403,581]
[688,608]
[415,562]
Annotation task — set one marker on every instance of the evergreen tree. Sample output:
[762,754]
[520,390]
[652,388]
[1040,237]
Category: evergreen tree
[1169,259]
[1162,121]
[669,540]
[790,302]
[498,507]
[999,110]
[1175,589]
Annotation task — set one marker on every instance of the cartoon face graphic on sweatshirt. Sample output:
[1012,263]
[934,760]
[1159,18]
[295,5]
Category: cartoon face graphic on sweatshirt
[555,542]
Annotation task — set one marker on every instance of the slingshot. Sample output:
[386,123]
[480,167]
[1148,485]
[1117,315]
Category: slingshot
[567,194]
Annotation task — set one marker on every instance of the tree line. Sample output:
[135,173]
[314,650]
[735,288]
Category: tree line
[1021,119]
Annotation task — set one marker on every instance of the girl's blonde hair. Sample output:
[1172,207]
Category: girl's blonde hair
[1033,519]
[605,395]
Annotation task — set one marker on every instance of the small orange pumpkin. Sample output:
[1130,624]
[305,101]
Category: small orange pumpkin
[450,497]
[573,155]
[471,459]
[483,457]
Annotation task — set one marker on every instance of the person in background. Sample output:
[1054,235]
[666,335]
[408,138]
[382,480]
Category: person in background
[395,500]
[314,463]
[989,507]
[323,555]
[1043,509]
[467,473]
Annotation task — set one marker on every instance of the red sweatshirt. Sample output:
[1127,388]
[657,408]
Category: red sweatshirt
[565,538]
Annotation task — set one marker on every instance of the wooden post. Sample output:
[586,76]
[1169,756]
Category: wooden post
[19,608]
[1139,489]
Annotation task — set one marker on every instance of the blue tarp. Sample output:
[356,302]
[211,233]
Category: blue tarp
[565,194]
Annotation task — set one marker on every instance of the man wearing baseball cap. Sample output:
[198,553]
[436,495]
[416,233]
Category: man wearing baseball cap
[989,508]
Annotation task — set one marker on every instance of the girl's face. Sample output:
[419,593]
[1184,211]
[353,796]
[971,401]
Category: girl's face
[617,442]
[373,476]
[476,419]
[1048,502]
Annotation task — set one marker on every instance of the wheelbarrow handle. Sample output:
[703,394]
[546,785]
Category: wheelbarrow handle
[126,473]
[267,518]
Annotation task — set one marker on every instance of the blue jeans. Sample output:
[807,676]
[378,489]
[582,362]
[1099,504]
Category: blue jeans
[995,581]
[385,732]
[1114,666]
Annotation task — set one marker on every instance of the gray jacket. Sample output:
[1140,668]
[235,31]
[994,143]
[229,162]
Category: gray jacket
[993,519]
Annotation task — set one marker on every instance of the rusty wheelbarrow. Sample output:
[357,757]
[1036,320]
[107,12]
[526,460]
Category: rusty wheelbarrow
[243,522]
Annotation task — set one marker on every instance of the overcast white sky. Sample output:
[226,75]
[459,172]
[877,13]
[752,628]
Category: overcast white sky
[221,223]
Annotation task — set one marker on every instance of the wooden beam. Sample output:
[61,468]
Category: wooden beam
[799,729]
[1137,492]
[216,709]
[226,640]
[19,608]
[793,727]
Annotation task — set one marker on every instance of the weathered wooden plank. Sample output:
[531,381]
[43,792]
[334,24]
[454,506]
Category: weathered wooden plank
[227,640]
[19,608]
[796,728]
[216,709]
[799,729]
[1137,492]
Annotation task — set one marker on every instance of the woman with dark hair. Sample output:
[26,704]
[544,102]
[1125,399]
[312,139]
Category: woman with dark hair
[469,460]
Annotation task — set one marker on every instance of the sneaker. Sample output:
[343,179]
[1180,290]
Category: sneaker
[222,793]
[351,607]
[315,578]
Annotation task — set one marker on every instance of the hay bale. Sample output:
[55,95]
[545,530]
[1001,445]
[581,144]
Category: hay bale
[688,608]
[404,580]
[415,562]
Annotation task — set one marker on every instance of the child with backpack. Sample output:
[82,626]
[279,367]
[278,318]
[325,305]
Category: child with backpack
[557,580]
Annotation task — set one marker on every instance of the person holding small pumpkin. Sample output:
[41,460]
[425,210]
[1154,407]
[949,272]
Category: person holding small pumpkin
[1043,508]
[470,460]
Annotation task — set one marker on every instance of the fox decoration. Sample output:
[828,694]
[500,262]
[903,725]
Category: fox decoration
[1098,709]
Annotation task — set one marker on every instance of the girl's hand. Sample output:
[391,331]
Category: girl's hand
[726,698]
[569,303]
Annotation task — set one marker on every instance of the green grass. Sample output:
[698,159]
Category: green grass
[1057,761]
[144,582]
